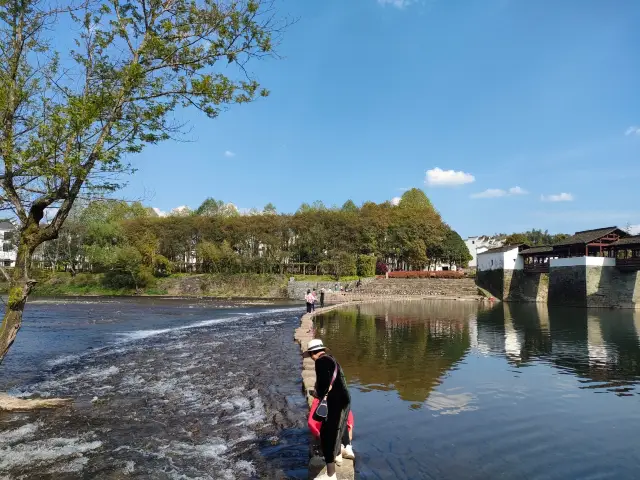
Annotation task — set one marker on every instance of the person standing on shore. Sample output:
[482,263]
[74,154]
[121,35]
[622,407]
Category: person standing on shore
[332,386]
[309,299]
[322,298]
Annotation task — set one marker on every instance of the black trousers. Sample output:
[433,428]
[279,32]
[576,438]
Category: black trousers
[332,431]
[309,306]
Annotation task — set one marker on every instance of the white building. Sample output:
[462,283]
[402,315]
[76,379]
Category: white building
[8,253]
[481,244]
[501,258]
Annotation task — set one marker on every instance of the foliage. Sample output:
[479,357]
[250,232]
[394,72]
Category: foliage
[349,206]
[516,239]
[415,198]
[70,120]
[381,268]
[216,208]
[270,209]
[451,250]
[535,238]
[366,265]
[402,238]
[127,270]
[340,264]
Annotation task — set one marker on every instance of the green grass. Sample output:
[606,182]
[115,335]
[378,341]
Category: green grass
[156,291]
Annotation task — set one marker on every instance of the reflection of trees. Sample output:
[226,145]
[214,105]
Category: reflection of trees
[600,346]
[403,346]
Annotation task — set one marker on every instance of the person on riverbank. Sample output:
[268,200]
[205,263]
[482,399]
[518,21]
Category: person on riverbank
[322,298]
[332,386]
[309,299]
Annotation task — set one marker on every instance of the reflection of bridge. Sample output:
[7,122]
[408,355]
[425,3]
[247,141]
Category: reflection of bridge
[601,345]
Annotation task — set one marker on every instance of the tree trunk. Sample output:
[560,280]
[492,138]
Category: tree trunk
[20,286]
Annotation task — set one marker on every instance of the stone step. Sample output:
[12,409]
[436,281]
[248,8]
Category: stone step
[420,286]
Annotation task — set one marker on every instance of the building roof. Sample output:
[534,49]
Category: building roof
[505,248]
[588,236]
[6,225]
[537,250]
[634,240]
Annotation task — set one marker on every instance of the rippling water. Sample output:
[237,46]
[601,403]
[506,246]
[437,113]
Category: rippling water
[446,391]
[163,389]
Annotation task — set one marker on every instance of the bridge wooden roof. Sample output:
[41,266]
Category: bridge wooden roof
[587,236]
[627,242]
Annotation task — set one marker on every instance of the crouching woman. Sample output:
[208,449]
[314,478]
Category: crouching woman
[335,404]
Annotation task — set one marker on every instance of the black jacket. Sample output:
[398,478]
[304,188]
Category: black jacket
[339,394]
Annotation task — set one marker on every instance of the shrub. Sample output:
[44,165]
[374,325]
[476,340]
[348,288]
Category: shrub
[339,264]
[426,274]
[162,266]
[381,268]
[366,265]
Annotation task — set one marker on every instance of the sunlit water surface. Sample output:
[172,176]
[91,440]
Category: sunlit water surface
[164,389]
[444,390]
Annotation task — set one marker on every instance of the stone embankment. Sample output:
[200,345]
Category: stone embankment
[445,288]
[391,289]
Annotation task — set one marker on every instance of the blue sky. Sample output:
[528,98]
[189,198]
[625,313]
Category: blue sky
[525,113]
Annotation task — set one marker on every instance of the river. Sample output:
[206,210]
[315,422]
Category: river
[163,389]
[451,390]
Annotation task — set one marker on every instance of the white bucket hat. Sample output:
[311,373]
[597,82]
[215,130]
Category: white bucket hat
[313,346]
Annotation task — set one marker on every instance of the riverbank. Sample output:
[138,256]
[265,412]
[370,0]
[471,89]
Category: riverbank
[242,285]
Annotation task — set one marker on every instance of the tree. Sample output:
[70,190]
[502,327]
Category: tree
[340,264]
[270,209]
[349,206]
[453,249]
[515,239]
[216,208]
[69,124]
[415,198]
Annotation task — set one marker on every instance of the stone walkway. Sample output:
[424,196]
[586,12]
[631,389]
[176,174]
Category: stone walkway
[304,333]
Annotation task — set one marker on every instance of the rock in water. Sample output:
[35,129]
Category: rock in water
[13,404]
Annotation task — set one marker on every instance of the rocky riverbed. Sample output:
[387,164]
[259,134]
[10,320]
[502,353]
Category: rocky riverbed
[198,392]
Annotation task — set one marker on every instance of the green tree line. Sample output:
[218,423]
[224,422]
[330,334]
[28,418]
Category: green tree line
[534,238]
[132,244]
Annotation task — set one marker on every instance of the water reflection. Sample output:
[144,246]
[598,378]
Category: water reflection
[452,390]
[401,347]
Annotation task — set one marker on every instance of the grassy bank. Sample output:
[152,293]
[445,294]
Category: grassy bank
[207,285]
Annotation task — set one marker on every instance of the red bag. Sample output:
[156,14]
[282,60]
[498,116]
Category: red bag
[314,425]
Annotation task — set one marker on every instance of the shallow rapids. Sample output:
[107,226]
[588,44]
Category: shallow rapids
[177,390]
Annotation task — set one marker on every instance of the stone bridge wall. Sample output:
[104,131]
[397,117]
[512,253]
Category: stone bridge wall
[580,286]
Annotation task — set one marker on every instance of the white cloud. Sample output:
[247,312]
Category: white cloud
[229,154]
[395,201]
[396,3]
[634,229]
[560,197]
[490,193]
[437,177]
[517,191]
[498,192]
[632,130]
[181,210]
